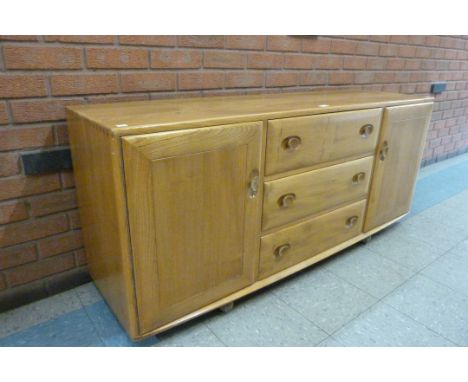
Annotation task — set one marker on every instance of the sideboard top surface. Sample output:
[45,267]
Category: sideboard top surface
[137,117]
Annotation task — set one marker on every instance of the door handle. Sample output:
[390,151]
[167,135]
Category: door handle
[254,183]
[384,151]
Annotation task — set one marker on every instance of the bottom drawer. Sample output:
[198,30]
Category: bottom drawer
[299,242]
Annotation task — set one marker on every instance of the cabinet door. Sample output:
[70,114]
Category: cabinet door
[193,206]
[397,162]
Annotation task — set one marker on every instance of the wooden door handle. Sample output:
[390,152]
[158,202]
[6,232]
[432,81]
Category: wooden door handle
[282,250]
[359,177]
[292,143]
[384,151]
[287,200]
[254,183]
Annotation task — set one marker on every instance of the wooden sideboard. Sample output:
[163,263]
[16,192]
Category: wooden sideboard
[189,204]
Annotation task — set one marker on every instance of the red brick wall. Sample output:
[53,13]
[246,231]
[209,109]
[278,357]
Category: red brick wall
[40,243]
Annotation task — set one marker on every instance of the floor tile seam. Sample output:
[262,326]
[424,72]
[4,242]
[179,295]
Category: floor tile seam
[101,339]
[214,334]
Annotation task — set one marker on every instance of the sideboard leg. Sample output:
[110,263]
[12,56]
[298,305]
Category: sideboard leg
[367,240]
[227,308]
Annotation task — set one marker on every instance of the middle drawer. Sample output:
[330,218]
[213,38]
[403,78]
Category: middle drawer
[298,196]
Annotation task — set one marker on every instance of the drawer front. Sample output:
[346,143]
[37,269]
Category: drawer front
[298,142]
[298,196]
[294,244]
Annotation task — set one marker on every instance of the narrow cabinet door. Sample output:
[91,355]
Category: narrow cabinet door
[397,161]
[193,206]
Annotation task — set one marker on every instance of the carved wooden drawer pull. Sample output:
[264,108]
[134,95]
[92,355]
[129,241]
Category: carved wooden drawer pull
[359,177]
[292,143]
[282,250]
[366,130]
[351,222]
[286,200]
[253,184]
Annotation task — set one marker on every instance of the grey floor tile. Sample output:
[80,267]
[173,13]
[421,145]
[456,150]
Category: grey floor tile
[440,166]
[264,320]
[435,306]
[189,335]
[368,271]
[450,270]
[330,342]
[325,299]
[434,233]
[88,294]
[411,253]
[458,202]
[446,215]
[382,325]
[461,249]
[40,311]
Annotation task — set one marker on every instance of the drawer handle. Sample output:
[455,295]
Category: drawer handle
[384,151]
[359,177]
[287,200]
[292,143]
[253,184]
[282,250]
[366,130]
[351,221]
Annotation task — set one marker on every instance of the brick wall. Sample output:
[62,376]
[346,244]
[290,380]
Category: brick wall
[40,243]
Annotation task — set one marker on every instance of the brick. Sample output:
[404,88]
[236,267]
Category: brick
[61,134]
[384,77]
[176,59]
[244,79]
[264,61]
[116,58]
[246,42]
[117,98]
[22,138]
[17,38]
[70,84]
[80,257]
[67,179]
[316,45]
[74,218]
[27,185]
[50,203]
[379,38]
[224,59]
[3,284]
[13,86]
[12,212]
[284,43]
[407,51]
[144,82]
[354,62]
[148,40]
[88,39]
[314,78]
[412,64]
[432,40]
[38,270]
[399,39]
[337,78]
[56,245]
[395,64]
[38,57]
[202,41]
[329,62]
[388,50]
[17,255]
[201,80]
[3,114]
[40,110]
[28,230]
[299,61]
[367,48]
[281,79]
[9,164]
[343,46]
[362,77]
[376,63]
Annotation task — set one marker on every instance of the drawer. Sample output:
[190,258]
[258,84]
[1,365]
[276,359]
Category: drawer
[298,142]
[297,196]
[294,244]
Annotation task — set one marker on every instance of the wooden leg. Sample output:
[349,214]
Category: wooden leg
[367,239]
[227,308]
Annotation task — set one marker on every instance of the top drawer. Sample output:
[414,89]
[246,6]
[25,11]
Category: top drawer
[298,142]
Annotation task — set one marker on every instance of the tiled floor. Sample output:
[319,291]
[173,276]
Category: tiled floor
[407,287]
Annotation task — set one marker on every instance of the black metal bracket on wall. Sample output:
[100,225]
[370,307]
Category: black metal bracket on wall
[46,161]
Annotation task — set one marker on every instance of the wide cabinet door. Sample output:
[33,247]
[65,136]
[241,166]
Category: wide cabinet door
[193,207]
[397,162]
